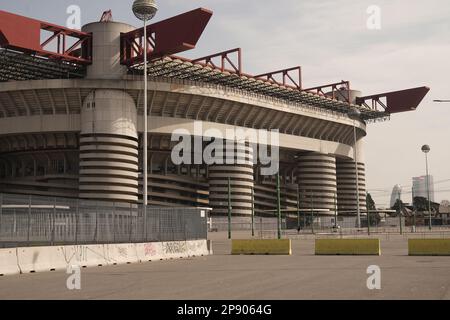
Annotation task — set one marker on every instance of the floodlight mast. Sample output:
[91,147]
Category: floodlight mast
[145,10]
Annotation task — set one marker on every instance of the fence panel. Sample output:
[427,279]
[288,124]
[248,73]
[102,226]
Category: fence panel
[42,221]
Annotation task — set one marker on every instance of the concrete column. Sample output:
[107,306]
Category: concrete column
[242,182]
[106,49]
[346,182]
[316,176]
[109,147]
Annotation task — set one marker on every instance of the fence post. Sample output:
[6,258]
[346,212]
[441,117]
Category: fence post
[298,210]
[53,222]
[368,215]
[253,213]
[146,218]
[77,213]
[229,208]
[183,218]
[278,207]
[400,204]
[312,212]
[131,223]
[96,223]
[14,230]
[29,220]
[114,222]
[160,213]
[1,209]
[304,211]
[335,211]
[261,227]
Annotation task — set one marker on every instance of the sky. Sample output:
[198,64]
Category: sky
[331,41]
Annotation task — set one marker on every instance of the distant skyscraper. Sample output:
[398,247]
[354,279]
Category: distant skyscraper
[395,195]
[420,187]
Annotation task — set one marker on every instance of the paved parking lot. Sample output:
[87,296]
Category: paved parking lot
[222,276]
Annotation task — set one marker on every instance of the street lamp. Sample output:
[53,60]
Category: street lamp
[145,10]
[355,114]
[426,149]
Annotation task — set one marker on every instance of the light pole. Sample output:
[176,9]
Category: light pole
[278,207]
[368,213]
[426,149]
[229,208]
[355,114]
[145,10]
[400,208]
[414,210]
[253,213]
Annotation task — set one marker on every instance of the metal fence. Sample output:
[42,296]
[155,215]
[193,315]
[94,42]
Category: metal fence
[34,220]
[307,223]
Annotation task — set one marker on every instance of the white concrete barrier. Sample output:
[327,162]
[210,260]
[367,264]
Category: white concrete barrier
[8,262]
[86,255]
[40,259]
[174,249]
[94,255]
[122,253]
[151,251]
[197,248]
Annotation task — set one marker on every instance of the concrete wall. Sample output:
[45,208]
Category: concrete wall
[41,259]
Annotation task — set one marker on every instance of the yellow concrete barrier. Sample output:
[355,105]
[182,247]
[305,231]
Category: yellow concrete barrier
[261,246]
[348,247]
[429,247]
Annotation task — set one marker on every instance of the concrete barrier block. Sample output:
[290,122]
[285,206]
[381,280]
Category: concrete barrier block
[8,262]
[40,259]
[151,251]
[261,246]
[85,255]
[210,247]
[347,247]
[197,248]
[122,253]
[174,249]
[429,247]
[90,255]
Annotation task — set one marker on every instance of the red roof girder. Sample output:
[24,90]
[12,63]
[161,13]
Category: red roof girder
[166,37]
[396,101]
[24,34]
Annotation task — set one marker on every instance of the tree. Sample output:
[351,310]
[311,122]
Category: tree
[398,204]
[374,216]
[421,204]
[370,203]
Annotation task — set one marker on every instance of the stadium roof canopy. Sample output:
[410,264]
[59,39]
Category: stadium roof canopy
[65,53]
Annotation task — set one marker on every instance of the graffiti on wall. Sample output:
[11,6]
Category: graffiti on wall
[174,247]
[150,249]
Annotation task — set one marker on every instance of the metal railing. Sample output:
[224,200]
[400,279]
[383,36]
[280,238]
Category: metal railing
[35,220]
[305,224]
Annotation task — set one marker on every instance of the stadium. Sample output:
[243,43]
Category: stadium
[72,108]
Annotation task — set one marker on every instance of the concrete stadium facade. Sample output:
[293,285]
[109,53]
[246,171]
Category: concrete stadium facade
[82,138]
